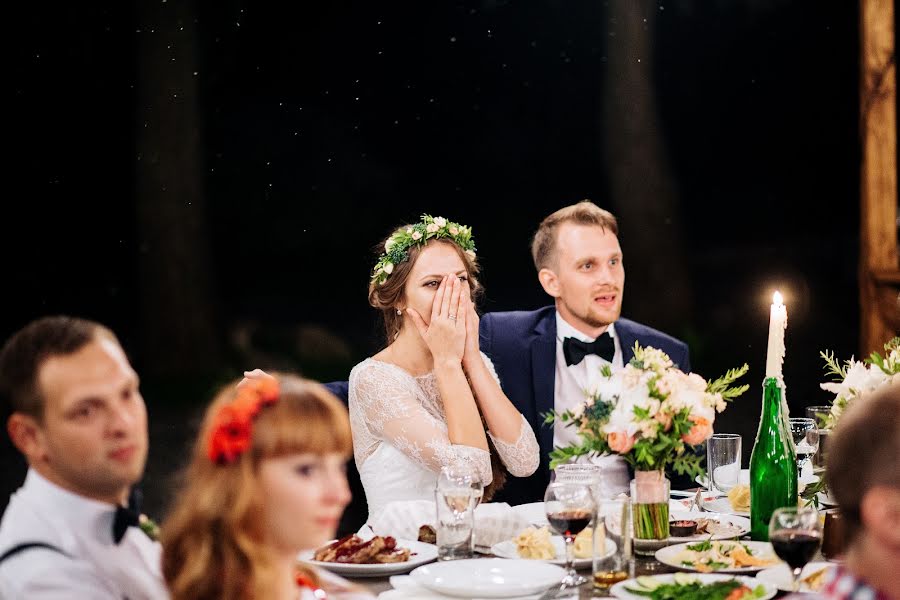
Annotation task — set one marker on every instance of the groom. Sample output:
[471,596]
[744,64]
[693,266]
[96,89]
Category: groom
[545,358]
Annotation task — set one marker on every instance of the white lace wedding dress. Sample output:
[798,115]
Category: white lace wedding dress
[400,437]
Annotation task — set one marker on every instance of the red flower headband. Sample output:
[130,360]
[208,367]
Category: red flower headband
[233,422]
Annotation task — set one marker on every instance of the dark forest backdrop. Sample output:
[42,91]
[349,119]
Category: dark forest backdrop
[209,178]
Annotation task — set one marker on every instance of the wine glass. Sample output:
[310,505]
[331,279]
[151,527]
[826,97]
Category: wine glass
[570,507]
[796,534]
[806,440]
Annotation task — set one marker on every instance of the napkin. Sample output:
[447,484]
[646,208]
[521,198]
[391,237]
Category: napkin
[407,589]
[494,522]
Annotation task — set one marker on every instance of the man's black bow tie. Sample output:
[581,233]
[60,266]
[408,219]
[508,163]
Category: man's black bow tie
[127,517]
[575,350]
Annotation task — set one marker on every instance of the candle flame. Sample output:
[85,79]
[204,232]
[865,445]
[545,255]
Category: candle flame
[777,300]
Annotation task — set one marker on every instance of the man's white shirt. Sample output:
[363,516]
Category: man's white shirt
[569,391]
[93,566]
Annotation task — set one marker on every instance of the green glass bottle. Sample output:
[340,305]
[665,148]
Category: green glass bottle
[773,466]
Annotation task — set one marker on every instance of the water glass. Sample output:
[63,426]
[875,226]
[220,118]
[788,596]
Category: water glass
[818,414]
[805,434]
[614,522]
[456,496]
[723,461]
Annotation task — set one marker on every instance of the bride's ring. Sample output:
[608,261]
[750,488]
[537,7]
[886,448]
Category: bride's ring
[451,317]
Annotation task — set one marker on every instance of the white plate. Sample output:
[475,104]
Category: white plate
[423,553]
[669,556]
[620,590]
[507,549]
[742,522]
[780,575]
[488,577]
[532,512]
[722,505]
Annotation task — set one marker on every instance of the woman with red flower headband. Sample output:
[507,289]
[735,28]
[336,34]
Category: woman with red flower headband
[266,481]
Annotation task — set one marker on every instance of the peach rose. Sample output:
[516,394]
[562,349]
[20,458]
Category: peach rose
[699,432]
[620,442]
[664,419]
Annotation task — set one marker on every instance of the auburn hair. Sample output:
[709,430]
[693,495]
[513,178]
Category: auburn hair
[213,538]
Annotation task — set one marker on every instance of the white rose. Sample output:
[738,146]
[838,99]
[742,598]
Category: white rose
[454,231]
[440,221]
[389,244]
[416,235]
[388,268]
[431,227]
[409,230]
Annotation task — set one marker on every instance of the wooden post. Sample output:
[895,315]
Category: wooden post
[879,271]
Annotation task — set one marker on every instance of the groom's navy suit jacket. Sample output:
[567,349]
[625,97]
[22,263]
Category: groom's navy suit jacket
[522,346]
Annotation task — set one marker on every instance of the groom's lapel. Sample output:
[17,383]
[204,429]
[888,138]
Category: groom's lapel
[543,372]
[627,338]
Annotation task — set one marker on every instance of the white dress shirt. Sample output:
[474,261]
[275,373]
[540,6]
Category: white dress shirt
[93,566]
[569,391]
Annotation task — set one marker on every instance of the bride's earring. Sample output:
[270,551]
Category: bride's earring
[399,312]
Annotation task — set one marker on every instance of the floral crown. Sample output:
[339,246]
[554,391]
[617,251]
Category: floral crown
[233,423]
[396,248]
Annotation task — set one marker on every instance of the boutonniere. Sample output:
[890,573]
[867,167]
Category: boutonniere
[149,527]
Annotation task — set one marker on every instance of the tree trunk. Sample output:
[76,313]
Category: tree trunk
[642,186]
[178,332]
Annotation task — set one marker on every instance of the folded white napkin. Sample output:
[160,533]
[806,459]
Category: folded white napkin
[407,589]
[494,521]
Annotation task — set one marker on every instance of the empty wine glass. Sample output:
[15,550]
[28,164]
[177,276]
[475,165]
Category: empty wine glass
[806,440]
[570,508]
[795,534]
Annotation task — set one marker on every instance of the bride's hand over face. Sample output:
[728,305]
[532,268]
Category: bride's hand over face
[445,333]
[472,351]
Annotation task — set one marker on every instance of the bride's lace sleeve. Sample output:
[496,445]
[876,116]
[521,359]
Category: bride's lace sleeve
[387,400]
[522,456]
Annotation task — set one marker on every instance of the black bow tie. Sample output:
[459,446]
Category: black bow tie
[575,350]
[127,517]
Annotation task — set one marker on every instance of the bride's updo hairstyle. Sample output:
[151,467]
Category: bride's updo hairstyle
[398,254]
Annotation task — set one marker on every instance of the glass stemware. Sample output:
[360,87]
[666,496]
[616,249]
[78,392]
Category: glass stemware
[806,440]
[570,508]
[795,534]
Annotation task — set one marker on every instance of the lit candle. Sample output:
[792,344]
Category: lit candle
[777,325]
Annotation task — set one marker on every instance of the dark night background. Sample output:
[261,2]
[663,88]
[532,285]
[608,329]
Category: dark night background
[209,178]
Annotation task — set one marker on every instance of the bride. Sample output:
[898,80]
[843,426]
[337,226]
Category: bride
[431,398]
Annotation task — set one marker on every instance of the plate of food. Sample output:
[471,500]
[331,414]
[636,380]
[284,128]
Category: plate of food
[737,502]
[719,556]
[684,586]
[812,577]
[538,544]
[696,526]
[376,557]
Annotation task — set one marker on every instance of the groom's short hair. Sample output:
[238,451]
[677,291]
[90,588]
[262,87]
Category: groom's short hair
[543,245]
[26,351]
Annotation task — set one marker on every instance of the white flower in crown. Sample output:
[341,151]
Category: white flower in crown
[390,243]
[416,235]
[432,227]
[454,230]
[409,230]
[388,268]
[440,222]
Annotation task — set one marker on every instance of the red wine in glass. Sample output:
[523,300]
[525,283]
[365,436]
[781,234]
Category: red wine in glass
[569,523]
[794,547]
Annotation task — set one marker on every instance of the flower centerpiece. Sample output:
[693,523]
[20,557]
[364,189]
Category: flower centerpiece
[650,413]
[850,380]
[856,377]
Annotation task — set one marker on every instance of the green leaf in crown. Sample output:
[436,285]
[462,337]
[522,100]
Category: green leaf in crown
[396,248]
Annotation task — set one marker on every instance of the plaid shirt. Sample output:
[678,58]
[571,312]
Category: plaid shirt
[844,585]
